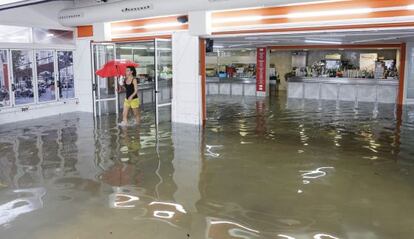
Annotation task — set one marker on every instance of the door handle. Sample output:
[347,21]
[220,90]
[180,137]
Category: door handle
[94,87]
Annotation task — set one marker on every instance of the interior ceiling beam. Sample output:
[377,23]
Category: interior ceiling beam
[24,3]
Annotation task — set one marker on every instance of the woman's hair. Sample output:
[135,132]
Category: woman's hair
[134,72]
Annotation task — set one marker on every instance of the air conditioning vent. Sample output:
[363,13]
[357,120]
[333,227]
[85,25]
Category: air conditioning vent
[140,8]
[71,16]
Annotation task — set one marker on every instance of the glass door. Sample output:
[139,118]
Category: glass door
[105,92]
[22,75]
[163,80]
[5,85]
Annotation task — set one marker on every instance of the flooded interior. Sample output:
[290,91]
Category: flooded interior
[261,168]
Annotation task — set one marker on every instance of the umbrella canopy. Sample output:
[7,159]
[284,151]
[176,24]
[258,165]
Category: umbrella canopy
[115,68]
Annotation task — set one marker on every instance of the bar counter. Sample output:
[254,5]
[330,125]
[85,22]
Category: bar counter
[343,89]
[231,86]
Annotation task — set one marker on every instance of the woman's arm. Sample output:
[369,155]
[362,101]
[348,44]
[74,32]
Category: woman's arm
[134,82]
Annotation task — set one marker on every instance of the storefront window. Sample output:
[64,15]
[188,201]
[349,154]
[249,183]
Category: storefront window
[45,76]
[66,80]
[23,76]
[4,79]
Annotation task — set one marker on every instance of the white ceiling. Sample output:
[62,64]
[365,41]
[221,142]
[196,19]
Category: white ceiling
[319,38]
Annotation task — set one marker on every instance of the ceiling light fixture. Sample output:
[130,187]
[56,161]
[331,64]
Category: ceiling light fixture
[163,25]
[330,13]
[239,19]
[323,42]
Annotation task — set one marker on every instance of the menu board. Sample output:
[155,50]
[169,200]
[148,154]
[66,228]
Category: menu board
[261,69]
[367,61]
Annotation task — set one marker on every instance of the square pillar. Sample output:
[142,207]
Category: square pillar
[186,102]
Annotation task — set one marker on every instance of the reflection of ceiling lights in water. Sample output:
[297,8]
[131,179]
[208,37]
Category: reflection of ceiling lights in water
[177,206]
[233,223]
[164,214]
[317,173]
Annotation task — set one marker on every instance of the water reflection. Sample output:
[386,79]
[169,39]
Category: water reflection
[217,228]
[119,199]
[28,200]
[236,178]
[312,174]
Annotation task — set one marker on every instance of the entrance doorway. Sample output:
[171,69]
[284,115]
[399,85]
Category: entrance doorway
[154,75]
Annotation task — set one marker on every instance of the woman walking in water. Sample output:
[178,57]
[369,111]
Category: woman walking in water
[131,99]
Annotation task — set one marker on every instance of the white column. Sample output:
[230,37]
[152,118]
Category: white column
[101,31]
[186,102]
[83,74]
[199,23]
[409,74]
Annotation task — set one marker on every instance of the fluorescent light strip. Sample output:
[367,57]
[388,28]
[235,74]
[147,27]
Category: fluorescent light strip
[239,19]
[323,42]
[148,26]
[162,25]
[330,13]
[311,3]
[314,14]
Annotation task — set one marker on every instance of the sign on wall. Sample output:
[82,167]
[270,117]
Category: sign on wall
[261,69]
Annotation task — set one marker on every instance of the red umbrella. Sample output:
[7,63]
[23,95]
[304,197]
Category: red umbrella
[115,68]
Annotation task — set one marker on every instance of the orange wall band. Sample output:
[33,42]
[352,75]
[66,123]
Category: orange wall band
[350,4]
[85,31]
[301,29]
[138,39]
[149,30]
[138,26]
[142,22]
[359,46]
[202,60]
[400,100]
[374,15]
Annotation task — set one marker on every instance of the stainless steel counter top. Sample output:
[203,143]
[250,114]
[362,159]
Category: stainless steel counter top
[347,81]
[234,80]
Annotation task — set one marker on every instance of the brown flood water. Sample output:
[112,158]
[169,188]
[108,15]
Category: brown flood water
[259,169]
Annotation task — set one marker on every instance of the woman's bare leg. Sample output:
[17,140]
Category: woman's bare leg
[125,114]
[137,115]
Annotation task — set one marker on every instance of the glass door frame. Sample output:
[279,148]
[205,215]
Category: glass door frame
[157,75]
[55,74]
[34,76]
[95,82]
[10,79]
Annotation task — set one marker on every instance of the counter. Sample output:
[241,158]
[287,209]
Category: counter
[231,86]
[146,93]
[343,89]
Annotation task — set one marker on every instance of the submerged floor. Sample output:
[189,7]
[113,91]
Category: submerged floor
[260,169]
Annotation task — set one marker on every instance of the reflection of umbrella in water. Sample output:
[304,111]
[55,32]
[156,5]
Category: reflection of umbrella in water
[121,175]
[118,176]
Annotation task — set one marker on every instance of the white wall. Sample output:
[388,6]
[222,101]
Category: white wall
[83,74]
[41,15]
[186,102]
[409,74]
[10,115]
[46,16]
